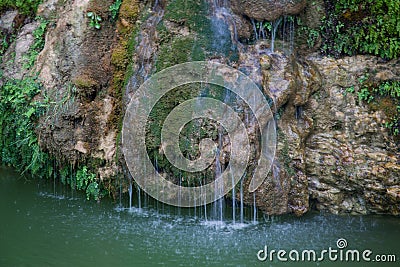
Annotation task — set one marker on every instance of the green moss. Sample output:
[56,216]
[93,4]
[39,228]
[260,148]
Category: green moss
[201,43]
[190,135]
[178,51]
[119,56]
[84,82]
[284,154]
[191,13]
[26,7]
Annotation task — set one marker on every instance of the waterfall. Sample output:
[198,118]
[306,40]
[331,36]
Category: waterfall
[254,208]
[139,199]
[219,183]
[299,112]
[233,200]
[241,200]
[254,28]
[145,51]
[275,25]
[130,194]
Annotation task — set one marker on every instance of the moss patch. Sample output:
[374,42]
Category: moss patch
[207,38]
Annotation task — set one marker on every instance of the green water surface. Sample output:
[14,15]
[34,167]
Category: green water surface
[47,225]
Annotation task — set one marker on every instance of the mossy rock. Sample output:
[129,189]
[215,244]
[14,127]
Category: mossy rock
[176,52]
[119,56]
[86,86]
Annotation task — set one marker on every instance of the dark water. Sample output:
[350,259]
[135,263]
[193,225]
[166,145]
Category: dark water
[43,227]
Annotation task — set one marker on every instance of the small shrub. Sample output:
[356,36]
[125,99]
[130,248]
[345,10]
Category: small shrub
[87,181]
[114,9]
[95,20]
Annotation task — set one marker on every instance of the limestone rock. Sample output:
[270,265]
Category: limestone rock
[7,21]
[15,57]
[267,9]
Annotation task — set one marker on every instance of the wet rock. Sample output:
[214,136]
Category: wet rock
[243,27]
[75,69]
[7,21]
[283,77]
[267,9]
[350,153]
[81,147]
[16,55]
[48,9]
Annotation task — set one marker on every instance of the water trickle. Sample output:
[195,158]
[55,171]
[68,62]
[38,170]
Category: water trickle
[145,51]
[253,23]
[219,183]
[233,200]
[275,25]
[139,198]
[254,208]
[241,201]
[276,169]
[130,194]
[299,112]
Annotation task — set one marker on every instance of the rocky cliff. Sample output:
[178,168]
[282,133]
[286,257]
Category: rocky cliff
[334,152]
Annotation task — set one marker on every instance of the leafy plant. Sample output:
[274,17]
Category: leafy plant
[365,95]
[95,20]
[114,9]
[19,144]
[384,96]
[26,7]
[362,26]
[87,181]
[37,45]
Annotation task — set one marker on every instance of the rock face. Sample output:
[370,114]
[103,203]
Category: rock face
[337,151]
[15,58]
[267,9]
[333,153]
[352,164]
[75,67]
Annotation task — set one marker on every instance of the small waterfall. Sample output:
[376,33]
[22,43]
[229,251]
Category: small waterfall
[233,200]
[275,25]
[219,183]
[223,28]
[145,51]
[139,199]
[299,112]
[254,208]
[130,194]
[241,200]
[254,28]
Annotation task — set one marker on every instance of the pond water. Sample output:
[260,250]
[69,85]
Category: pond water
[46,224]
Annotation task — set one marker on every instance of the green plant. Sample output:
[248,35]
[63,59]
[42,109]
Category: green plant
[19,144]
[87,181]
[362,26]
[95,20]
[37,45]
[383,96]
[350,89]
[364,94]
[114,9]
[265,25]
[26,7]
